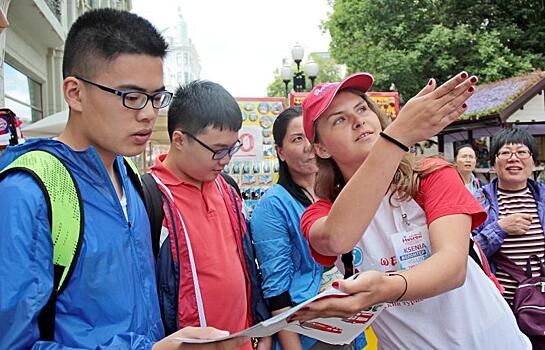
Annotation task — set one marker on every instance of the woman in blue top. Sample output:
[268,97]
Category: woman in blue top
[290,274]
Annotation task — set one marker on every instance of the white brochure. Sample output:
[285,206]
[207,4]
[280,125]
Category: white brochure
[333,330]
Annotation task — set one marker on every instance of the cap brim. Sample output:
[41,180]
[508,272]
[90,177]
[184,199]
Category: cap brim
[359,81]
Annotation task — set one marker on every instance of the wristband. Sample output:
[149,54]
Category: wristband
[406,285]
[394,141]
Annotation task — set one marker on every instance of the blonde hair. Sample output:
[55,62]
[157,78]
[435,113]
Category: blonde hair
[406,182]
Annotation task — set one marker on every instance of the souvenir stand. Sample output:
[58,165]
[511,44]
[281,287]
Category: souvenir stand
[10,129]
[255,166]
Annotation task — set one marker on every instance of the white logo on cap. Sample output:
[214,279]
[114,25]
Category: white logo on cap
[320,90]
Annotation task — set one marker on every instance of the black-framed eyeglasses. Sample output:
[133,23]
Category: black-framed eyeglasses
[521,154]
[221,153]
[136,99]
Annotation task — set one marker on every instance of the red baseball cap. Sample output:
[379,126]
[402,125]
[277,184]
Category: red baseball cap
[321,96]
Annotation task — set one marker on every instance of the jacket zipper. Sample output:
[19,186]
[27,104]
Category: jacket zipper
[530,307]
[542,284]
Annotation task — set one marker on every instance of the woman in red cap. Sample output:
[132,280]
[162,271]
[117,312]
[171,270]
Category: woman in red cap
[406,219]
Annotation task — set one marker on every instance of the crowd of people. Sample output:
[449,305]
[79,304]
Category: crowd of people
[346,183]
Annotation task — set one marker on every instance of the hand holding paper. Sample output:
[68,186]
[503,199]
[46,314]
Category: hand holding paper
[341,325]
[359,293]
[212,335]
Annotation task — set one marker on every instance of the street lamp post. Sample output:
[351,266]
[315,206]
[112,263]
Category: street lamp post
[311,68]
[297,53]
[286,74]
[299,81]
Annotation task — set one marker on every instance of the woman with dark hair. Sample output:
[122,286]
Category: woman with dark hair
[290,274]
[514,229]
[465,161]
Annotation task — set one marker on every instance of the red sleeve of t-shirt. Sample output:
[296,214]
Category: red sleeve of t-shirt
[443,193]
[314,212]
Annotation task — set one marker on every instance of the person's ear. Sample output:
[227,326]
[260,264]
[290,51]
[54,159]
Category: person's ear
[495,166]
[280,153]
[321,151]
[72,90]
[178,139]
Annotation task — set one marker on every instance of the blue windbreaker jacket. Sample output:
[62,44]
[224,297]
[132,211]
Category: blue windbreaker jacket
[111,300]
[282,251]
[489,235]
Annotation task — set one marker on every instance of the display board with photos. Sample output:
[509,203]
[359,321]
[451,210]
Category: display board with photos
[387,101]
[255,166]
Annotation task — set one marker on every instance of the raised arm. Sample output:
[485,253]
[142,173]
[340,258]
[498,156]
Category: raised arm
[452,212]
[422,117]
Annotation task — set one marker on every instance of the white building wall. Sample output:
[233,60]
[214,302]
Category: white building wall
[533,111]
[182,63]
[4,4]
[26,55]
[33,42]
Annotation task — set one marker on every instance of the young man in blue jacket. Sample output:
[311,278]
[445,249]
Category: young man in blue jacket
[113,84]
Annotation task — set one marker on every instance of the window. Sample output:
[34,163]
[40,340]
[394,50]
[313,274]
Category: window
[187,59]
[87,5]
[179,58]
[186,77]
[23,95]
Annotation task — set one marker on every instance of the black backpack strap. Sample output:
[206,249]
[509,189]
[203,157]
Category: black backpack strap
[507,265]
[529,266]
[233,186]
[167,268]
[153,198]
[231,182]
[474,254]
[153,201]
[239,215]
[134,175]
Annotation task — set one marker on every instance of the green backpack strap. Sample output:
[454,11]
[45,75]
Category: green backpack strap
[65,211]
[132,169]
[152,198]
[134,175]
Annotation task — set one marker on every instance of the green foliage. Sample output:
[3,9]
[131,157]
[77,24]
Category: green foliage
[520,24]
[409,41]
[277,87]
[329,71]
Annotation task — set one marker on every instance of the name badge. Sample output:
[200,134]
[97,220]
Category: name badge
[411,247]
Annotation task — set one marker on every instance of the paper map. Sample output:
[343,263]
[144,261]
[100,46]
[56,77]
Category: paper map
[329,330]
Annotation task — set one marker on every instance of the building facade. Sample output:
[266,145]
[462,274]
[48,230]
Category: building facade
[182,63]
[31,52]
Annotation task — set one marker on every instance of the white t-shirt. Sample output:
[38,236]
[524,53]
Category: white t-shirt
[473,316]
[123,202]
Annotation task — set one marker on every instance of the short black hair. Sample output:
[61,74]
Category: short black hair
[201,103]
[513,136]
[100,35]
[457,150]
